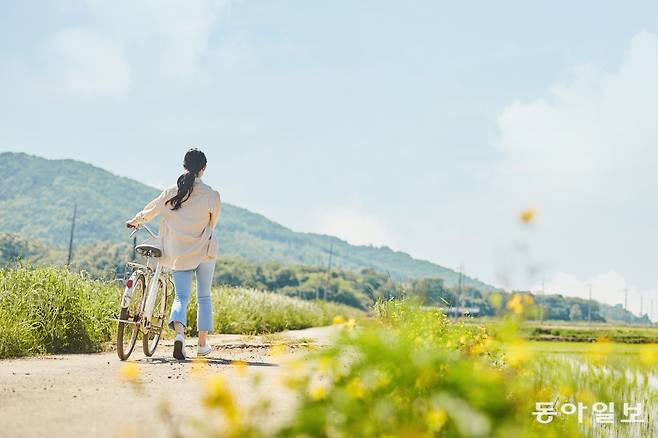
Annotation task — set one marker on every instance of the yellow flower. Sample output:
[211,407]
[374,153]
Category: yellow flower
[241,367]
[338,319]
[198,366]
[436,418]
[277,349]
[516,304]
[324,365]
[496,300]
[383,379]
[565,391]
[586,397]
[218,395]
[649,355]
[355,388]
[518,353]
[424,379]
[129,372]
[599,350]
[318,392]
[527,216]
[351,323]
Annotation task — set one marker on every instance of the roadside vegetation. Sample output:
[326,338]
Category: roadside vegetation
[414,373]
[51,310]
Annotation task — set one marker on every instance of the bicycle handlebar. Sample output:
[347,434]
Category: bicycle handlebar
[136,229]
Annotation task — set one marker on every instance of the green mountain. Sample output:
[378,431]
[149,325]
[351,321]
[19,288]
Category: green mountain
[37,196]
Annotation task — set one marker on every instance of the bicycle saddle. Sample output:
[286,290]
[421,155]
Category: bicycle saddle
[148,250]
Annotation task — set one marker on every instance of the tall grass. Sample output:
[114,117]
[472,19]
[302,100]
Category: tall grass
[50,310]
[248,311]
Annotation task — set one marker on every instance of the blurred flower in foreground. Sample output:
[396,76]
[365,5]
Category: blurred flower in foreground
[436,418]
[496,300]
[277,349]
[649,355]
[515,304]
[317,392]
[218,395]
[199,365]
[518,353]
[527,216]
[338,319]
[129,372]
[240,366]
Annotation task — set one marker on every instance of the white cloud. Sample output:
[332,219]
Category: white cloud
[607,287]
[82,62]
[585,134]
[352,225]
[585,154]
[176,33]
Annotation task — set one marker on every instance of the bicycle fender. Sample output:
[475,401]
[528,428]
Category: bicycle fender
[128,291]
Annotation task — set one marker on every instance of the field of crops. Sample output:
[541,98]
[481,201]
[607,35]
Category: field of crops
[569,331]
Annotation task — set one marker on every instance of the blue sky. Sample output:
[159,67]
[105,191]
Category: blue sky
[425,127]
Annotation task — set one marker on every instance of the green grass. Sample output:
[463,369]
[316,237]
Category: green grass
[248,311]
[45,310]
[50,310]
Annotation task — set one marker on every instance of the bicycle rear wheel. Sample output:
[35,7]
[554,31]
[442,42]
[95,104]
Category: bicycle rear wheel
[151,338]
[127,331]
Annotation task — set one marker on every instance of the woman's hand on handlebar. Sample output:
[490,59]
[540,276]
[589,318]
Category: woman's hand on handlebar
[132,224]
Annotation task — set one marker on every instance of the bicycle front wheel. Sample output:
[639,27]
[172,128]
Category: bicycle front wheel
[151,338]
[127,331]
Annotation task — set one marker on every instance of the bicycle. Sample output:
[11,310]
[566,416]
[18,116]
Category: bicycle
[144,299]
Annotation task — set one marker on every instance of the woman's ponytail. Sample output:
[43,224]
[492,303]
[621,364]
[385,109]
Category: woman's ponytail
[194,163]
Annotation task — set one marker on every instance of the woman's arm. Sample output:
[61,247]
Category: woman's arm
[215,209]
[151,210]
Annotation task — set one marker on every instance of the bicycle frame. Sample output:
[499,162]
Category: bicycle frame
[152,285]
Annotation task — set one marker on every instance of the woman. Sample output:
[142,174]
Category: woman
[189,213]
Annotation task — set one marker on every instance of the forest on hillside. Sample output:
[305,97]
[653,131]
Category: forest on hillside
[357,288]
[38,198]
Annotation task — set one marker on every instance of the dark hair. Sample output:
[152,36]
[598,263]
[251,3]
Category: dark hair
[194,162]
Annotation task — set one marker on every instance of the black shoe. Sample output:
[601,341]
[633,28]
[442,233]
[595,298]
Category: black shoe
[179,347]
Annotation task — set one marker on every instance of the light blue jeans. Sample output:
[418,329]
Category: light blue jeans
[183,283]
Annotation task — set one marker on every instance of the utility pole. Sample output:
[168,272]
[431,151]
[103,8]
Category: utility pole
[461,291]
[626,305]
[75,212]
[331,253]
[541,306]
[589,307]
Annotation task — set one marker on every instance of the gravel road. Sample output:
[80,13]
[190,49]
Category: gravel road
[84,394]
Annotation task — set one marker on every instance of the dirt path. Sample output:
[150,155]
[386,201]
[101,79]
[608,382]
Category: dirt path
[83,395]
